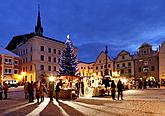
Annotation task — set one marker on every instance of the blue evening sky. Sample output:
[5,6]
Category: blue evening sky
[92,24]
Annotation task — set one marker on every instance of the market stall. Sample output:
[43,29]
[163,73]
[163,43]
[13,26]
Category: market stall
[93,86]
[69,86]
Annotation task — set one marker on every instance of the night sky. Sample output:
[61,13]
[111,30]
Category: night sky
[92,24]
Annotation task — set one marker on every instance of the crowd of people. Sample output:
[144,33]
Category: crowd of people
[3,89]
[40,91]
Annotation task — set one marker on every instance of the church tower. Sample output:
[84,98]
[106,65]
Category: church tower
[38,27]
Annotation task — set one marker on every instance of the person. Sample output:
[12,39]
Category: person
[120,88]
[113,89]
[1,91]
[57,91]
[31,92]
[42,90]
[25,90]
[5,88]
[77,88]
[37,93]
[51,89]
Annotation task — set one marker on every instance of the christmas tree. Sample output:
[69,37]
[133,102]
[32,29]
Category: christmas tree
[68,65]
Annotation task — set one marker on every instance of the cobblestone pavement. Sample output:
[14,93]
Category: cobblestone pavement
[149,102]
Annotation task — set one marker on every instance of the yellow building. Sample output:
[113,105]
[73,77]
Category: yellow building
[9,65]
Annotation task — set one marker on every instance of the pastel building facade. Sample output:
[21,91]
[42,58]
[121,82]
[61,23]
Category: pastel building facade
[146,63]
[9,65]
[96,68]
[124,65]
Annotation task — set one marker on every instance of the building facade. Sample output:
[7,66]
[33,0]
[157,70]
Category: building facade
[162,62]
[40,54]
[146,63]
[96,68]
[85,69]
[9,65]
[124,64]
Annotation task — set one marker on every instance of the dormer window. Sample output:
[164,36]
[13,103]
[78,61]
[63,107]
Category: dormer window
[123,57]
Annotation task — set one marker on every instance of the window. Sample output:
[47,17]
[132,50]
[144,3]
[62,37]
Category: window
[49,58]
[129,63]
[109,65]
[145,69]
[49,68]
[59,52]
[31,58]
[15,62]
[153,68]
[101,67]
[96,67]
[84,67]
[8,61]
[42,57]
[123,65]
[42,48]
[101,73]
[139,69]
[122,71]
[100,61]
[26,68]
[58,59]
[88,67]
[123,57]
[31,49]
[26,59]
[54,51]
[49,50]
[54,68]
[54,59]
[81,67]
[118,65]
[30,67]
[42,67]
[144,52]
[15,71]
[145,62]
[129,70]
[7,71]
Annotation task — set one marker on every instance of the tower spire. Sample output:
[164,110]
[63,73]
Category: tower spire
[38,27]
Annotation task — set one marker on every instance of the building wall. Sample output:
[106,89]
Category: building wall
[162,61]
[85,69]
[96,68]
[124,65]
[146,63]
[32,63]
[9,67]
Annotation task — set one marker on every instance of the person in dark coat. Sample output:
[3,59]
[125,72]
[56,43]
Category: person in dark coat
[113,87]
[57,91]
[51,89]
[5,88]
[1,91]
[120,88]
[31,92]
